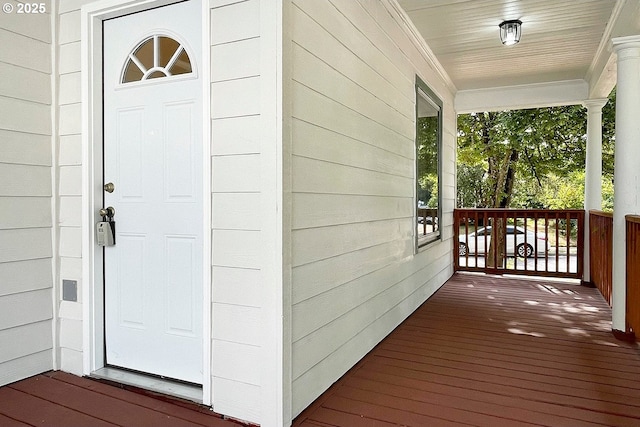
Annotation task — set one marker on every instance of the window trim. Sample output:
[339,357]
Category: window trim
[430,96]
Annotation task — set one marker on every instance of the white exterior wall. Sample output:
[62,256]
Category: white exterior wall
[236,218]
[26,308]
[355,276]
[69,191]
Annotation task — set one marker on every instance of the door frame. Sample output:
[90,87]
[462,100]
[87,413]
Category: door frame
[93,341]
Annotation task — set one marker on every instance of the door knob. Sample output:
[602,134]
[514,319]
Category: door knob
[110,212]
[109,187]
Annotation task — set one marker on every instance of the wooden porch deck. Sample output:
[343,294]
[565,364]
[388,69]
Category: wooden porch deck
[58,399]
[483,350]
[491,351]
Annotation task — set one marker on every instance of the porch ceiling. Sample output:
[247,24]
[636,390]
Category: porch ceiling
[564,46]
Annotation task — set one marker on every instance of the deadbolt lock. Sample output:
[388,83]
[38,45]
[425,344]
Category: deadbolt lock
[107,212]
[109,187]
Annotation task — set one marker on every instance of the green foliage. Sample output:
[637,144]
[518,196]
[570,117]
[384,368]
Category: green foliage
[529,158]
[564,192]
[471,185]
[428,160]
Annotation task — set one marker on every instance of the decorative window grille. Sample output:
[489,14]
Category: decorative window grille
[156,57]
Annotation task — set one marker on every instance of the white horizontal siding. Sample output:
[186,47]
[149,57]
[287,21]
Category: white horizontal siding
[235,202]
[26,309]
[25,212]
[236,324]
[344,150]
[231,61]
[231,398]
[68,26]
[25,367]
[321,77]
[235,211]
[70,150]
[234,22]
[355,276]
[25,339]
[313,107]
[324,177]
[367,43]
[69,58]
[32,25]
[69,184]
[343,239]
[235,136]
[25,148]
[26,275]
[25,51]
[25,180]
[25,244]
[26,116]
[236,286]
[320,210]
[235,98]
[236,174]
[37,90]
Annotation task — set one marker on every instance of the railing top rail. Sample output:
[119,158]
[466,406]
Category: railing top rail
[633,218]
[601,213]
[516,210]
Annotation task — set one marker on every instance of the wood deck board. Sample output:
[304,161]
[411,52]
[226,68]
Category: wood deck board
[410,405]
[61,399]
[566,367]
[545,346]
[548,394]
[489,350]
[185,410]
[10,422]
[579,359]
[517,371]
[107,408]
[35,411]
[462,398]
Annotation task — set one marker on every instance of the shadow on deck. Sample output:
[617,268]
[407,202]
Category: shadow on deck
[493,351]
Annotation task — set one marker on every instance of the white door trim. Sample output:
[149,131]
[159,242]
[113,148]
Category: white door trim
[92,16]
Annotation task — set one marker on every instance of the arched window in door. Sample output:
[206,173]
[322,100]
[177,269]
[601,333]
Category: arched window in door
[156,57]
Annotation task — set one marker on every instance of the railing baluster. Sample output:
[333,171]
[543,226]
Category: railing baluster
[535,232]
[546,251]
[568,233]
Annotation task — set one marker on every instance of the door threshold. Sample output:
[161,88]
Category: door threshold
[155,384]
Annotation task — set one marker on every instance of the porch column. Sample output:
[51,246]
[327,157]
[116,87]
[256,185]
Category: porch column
[593,172]
[627,165]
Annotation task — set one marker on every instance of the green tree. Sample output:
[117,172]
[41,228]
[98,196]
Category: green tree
[517,153]
[506,158]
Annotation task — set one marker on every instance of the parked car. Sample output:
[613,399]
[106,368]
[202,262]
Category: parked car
[515,242]
[428,220]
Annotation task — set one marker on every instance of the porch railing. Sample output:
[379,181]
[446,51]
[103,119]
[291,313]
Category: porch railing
[601,251]
[536,241]
[633,273]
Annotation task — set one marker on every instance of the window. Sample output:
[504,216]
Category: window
[156,57]
[428,165]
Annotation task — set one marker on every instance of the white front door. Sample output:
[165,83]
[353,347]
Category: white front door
[153,157]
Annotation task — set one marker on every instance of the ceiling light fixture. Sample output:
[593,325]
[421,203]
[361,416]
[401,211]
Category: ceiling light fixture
[510,32]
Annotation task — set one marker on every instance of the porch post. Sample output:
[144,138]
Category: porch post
[593,173]
[626,169]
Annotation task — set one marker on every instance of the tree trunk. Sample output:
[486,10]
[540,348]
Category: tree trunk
[496,256]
